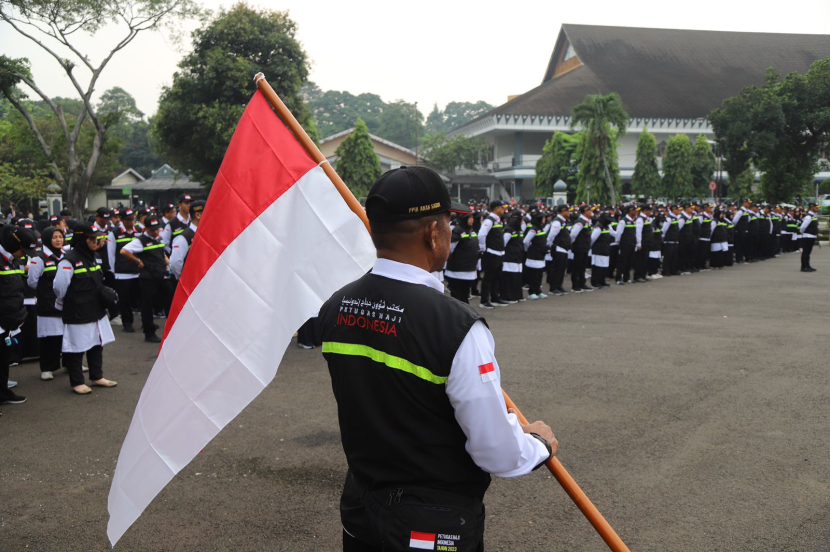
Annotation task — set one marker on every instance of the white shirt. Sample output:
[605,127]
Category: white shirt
[555,228]
[495,440]
[806,222]
[79,338]
[180,248]
[486,226]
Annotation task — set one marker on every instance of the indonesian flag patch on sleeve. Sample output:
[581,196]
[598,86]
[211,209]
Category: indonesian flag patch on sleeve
[422,541]
[487,371]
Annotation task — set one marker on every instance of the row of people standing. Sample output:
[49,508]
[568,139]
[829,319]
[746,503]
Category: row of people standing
[511,249]
[66,269]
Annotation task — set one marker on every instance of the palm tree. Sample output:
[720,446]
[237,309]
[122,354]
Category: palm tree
[597,114]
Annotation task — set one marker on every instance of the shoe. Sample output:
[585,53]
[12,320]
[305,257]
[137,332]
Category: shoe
[620,283]
[656,276]
[641,280]
[543,296]
[128,328]
[11,385]
[587,288]
[304,346]
[812,269]
[46,376]
[82,389]
[500,303]
[160,315]
[103,382]
[486,305]
[558,293]
[525,287]
[649,278]
[475,294]
[576,290]
[605,286]
[533,297]
[509,302]
[116,321]
[12,398]
[685,273]
[152,338]
[522,300]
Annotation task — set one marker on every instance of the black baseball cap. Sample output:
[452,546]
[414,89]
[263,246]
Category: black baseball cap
[88,230]
[27,240]
[55,218]
[103,212]
[127,213]
[197,206]
[152,222]
[184,198]
[408,193]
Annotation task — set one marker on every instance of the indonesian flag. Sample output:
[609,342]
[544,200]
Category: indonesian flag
[275,241]
[422,541]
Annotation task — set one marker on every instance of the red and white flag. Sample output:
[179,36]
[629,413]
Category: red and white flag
[275,241]
[422,541]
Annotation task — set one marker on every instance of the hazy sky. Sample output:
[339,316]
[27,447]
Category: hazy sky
[426,51]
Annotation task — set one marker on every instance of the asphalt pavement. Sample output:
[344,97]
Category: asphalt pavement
[694,411]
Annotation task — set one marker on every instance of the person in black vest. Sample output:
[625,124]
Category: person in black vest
[27,346]
[705,243]
[514,252]
[559,243]
[686,251]
[535,244]
[601,240]
[695,243]
[741,222]
[809,234]
[180,246]
[42,270]
[719,241]
[14,244]
[655,251]
[580,245]
[754,234]
[147,251]
[645,241]
[629,230]
[421,412]
[79,293]
[671,237]
[126,272]
[491,245]
[729,258]
[463,259]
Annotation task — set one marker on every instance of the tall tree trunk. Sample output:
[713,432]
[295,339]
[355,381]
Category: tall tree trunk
[608,177]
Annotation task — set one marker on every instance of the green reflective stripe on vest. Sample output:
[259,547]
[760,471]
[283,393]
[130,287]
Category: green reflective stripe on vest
[674,222]
[91,269]
[179,231]
[516,235]
[753,218]
[397,363]
[721,224]
[123,240]
[149,247]
[695,218]
[50,268]
[707,221]
[605,231]
[647,224]
[10,272]
[498,226]
[631,226]
[465,235]
[541,233]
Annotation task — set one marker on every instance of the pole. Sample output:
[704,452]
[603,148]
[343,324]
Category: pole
[582,501]
[310,147]
[577,495]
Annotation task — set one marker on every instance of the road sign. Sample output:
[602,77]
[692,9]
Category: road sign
[713,185]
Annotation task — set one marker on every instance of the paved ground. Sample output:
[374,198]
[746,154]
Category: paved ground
[693,410]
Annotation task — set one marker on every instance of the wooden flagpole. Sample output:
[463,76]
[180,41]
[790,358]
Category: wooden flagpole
[556,468]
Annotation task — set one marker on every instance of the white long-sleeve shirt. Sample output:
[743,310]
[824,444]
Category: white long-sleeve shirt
[638,230]
[808,218]
[495,440]
[79,338]
[580,223]
[556,227]
[179,249]
[486,226]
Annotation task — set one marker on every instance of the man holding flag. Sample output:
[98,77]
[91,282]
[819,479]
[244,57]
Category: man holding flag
[422,416]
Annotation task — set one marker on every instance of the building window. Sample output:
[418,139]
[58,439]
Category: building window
[569,53]
[661,149]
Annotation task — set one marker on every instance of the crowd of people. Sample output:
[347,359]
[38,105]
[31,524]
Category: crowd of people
[64,284]
[500,250]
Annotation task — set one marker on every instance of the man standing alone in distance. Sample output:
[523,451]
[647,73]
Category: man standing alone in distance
[422,418]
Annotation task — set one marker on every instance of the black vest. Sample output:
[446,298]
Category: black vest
[696,226]
[465,256]
[706,228]
[657,230]
[812,228]
[629,234]
[495,237]
[153,258]
[673,233]
[719,233]
[538,247]
[12,311]
[686,231]
[603,244]
[743,222]
[582,242]
[514,251]
[563,238]
[45,291]
[647,238]
[753,223]
[82,303]
[123,265]
[390,347]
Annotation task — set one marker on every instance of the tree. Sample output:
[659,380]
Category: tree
[447,154]
[53,26]
[677,167]
[703,165]
[198,113]
[645,181]
[402,123]
[595,171]
[780,127]
[336,111]
[357,163]
[556,163]
[16,187]
[454,115]
[741,185]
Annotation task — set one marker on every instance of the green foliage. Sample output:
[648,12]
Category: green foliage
[780,127]
[645,181]
[17,186]
[138,152]
[447,154]
[592,178]
[198,113]
[118,106]
[336,111]
[556,163]
[677,168]
[401,122]
[741,185]
[357,163]
[824,187]
[704,164]
[455,115]
[598,115]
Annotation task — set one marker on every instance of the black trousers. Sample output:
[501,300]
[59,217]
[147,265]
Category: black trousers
[729,255]
[50,353]
[754,240]
[460,289]
[5,357]
[625,262]
[152,292]
[806,250]
[613,259]
[641,263]
[511,285]
[491,266]
[556,274]
[598,276]
[578,266]
[128,292]
[670,267]
[741,246]
[74,365]
[687,254]
[534,279]
[703,248]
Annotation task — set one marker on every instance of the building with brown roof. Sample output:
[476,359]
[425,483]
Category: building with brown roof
[669,81]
